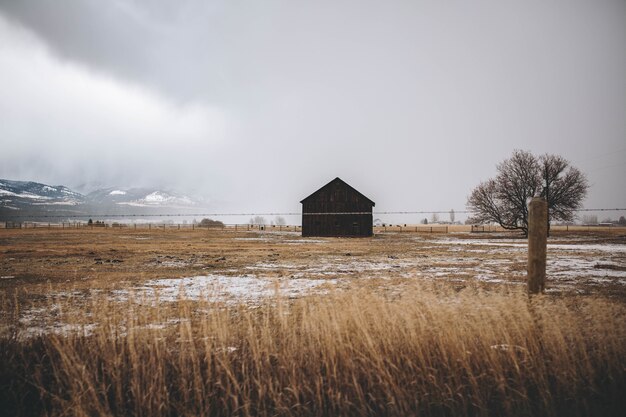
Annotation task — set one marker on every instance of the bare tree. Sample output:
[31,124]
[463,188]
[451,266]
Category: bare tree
[258,220]
[280,221]
[622,221]
[590,219]
[452,216]
[504,199]
[434,218]
[564,187]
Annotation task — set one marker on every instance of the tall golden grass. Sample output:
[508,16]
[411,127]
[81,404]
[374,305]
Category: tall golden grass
[434,351]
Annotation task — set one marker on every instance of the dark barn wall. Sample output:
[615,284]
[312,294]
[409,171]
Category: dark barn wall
[337,197]
[343,225]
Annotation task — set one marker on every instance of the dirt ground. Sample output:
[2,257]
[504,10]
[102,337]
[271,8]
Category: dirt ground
[147,311]
[42,269]
[585,262]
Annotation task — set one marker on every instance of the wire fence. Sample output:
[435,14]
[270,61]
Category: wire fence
[98,225]
[17,217]
[139,222]
[383,228]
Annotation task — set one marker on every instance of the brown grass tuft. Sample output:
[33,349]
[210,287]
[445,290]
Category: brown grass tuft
[434,351]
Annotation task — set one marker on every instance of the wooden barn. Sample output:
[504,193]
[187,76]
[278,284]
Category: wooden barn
[337,210]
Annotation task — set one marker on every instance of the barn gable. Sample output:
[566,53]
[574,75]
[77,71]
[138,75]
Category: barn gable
[337,209]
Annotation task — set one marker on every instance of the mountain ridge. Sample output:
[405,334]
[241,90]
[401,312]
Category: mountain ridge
[30,199]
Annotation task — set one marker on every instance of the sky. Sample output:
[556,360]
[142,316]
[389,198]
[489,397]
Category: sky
[254,105]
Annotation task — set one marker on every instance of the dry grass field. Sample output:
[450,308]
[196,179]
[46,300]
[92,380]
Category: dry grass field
[168,322]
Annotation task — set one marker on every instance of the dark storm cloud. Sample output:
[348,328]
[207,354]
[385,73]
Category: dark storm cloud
[413,102]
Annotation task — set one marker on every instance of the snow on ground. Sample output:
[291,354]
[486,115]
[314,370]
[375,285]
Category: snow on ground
[578,266]
[234,289]
[246,289]
[568,264]
[117,192]
[333,266]
[524,245]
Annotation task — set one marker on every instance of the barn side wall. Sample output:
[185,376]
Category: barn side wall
[341,225]
[319,216]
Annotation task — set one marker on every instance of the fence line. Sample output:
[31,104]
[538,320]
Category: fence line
[147,226]
[385,228]
[375,213]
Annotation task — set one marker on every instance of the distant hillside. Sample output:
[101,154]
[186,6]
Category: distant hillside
[139,197]
[27,200]
[17,194]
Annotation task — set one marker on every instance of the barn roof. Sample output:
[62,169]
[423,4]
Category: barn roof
[343,182]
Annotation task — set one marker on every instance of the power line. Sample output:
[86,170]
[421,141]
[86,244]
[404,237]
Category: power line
[117,215]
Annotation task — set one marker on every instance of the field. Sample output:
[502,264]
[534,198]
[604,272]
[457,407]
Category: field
[224,322]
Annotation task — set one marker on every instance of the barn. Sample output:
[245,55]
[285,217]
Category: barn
[337,210]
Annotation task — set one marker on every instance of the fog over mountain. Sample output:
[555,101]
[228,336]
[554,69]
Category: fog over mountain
[251,106]
[27,200]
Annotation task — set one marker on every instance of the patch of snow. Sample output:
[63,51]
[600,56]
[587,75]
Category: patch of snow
[589,247]
[157,197]
[481,242]
[551,246]
[174,264]
[32,196]
[508,348]
[579,268]
[58,203]
[48,188]
[232,289]
[269,265]
[117,192]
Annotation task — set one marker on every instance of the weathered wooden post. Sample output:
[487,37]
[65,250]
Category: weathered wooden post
[537,244]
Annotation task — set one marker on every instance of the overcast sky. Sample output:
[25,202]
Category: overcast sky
[256,104]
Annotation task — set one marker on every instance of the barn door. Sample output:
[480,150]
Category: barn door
[356,229]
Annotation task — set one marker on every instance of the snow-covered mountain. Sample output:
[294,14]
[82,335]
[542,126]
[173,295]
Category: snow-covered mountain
[16,194]
[140,197]
[27,198]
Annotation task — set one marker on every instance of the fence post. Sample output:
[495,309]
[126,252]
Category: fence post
[537,244]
